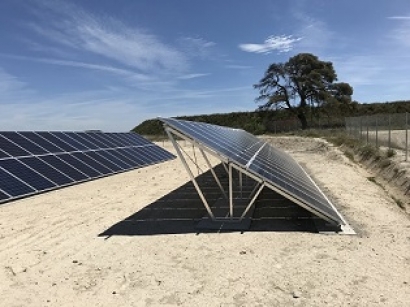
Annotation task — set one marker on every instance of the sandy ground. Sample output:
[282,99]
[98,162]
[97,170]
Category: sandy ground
[55,249]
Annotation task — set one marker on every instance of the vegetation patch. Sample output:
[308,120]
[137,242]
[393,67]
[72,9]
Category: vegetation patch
[369,151]
[349,155]
[390,153]
[385,163]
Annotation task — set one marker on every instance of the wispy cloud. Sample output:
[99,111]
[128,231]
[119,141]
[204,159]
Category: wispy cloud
[9,82]
[399,17]
[316,33]
[401,30]
[107,37]
[196,46]
[281,43]
[359,70]
[75,64]
[192,76]
[233,66]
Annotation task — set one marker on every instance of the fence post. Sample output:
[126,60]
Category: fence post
[407,136]
[389,131]
[377,133]
[367,128]
[361,128]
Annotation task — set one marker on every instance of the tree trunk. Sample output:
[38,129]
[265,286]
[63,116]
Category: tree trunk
[303,120]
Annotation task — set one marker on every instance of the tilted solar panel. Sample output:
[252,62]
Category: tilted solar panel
[279,170]
[33,162]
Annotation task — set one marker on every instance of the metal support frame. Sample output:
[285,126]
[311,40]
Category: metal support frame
[229,167]
[191,175]
[213,173]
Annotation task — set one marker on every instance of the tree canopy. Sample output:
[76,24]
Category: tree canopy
[303,81]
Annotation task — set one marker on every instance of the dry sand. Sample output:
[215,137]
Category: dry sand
[52,254]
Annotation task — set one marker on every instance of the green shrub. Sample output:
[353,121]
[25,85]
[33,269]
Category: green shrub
[390,153]
[369,151]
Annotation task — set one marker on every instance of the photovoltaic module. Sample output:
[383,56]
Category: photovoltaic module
[272,167]
[33,162]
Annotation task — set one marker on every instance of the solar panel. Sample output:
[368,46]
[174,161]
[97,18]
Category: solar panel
[11,148]
[47,170]
[26,174]
[3,196]
[13,186]
[33,162]
[58,162]
[275,168]
[24,143]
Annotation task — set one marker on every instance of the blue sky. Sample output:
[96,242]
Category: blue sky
[109,65]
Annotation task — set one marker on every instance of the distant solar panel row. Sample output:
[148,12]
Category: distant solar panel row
[272,165]
[33,162]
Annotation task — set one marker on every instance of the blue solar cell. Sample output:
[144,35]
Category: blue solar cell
[3,154]
[36,138]
[47,170]
[13,186]
[3,196]
[116,140]
[115,159]
[81,166]
[161,153]
[91,162]
[124,137]
[94,155]
[137,152]
[78,136]
[136,140]
[124,158]
[124,141]
[11,148]
[90,137]
[130,155]
[56,141]
[106,139]
[64,167]
[151,154]
[26,174]
[148,156]
[24,143]
[64,137]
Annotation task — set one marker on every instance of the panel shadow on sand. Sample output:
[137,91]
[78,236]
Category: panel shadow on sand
[179,211]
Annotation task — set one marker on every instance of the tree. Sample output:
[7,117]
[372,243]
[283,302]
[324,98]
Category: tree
[301,81]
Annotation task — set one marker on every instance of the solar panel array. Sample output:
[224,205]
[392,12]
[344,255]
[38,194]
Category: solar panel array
[33,162]
[261,159]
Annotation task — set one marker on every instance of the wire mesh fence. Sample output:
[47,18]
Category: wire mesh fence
[389,130]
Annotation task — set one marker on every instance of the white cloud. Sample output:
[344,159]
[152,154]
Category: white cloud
[233,66]
[106,68]
[401,30]
[9,82]
[81,31]
[281,43]
[192,76]
[399,17]
[196,47]
[317,35]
